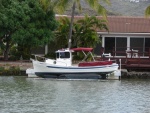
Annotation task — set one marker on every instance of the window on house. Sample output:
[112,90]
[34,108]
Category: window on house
[109,44]
[118,43]
[147,46]
[121,46]
[137,44]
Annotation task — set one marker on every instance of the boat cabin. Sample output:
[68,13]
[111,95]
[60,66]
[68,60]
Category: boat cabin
[64,57]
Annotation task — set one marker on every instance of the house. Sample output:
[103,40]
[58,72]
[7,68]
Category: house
[125,33]
[128,39]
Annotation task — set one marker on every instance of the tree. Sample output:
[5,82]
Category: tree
[147,11]
[26,23]
[61,34]
[8,24]
[86,32]
[92,3]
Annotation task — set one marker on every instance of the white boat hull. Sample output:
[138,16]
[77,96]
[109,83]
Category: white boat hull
[44,69]
[30,72]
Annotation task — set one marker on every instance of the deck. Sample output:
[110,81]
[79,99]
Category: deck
[132,60]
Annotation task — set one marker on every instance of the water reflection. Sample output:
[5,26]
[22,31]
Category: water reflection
[21,94]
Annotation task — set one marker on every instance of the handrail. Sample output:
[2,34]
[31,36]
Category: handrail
[44,59]
[37,56]
[141,51]
[149,53]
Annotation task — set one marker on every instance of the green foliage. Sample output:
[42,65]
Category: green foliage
[14,70]
[1,52]
[2,69]
[84,32]
[38,26]
[94,4]
[79,56]
[25,22]
[61,35]
[9,70]
[147,11]
[51,55]
[13,54]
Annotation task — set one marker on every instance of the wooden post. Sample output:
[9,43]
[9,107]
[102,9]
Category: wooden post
[149,53]
[119,77]
[46,49]
[113,52]
[120,69]
[131,53]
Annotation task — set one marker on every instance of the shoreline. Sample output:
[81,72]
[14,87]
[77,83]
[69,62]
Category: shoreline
[14,68]
[134,74]
[22,66]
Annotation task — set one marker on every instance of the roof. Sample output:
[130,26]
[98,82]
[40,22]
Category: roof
[128,24]
[125,24]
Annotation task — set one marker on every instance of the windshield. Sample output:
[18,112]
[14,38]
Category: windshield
[63,55]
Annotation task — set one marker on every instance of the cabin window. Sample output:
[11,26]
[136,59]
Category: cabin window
[63,55]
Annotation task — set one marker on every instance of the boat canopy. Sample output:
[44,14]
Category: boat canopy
[82,49]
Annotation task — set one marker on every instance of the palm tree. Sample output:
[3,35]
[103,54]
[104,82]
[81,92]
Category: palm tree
[84,31]
[61,5]
[49,4]
[147,11]
[94,4]
[61,33]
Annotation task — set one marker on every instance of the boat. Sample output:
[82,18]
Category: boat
[62,66]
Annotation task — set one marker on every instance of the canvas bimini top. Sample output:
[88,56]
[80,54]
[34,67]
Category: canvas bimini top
[82,49]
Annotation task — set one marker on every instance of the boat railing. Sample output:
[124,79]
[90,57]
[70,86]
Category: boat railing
[47,60]
[39,58]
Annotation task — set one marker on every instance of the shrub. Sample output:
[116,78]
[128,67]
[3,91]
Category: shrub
[12,70]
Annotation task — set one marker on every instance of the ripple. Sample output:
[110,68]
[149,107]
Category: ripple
[20,94]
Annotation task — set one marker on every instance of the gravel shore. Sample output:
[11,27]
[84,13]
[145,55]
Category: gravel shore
[23,65]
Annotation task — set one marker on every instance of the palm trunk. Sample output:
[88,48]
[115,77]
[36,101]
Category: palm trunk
[71,25]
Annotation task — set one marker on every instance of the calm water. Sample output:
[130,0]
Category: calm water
[30,95]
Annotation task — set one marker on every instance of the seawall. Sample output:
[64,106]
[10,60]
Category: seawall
[134,75]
